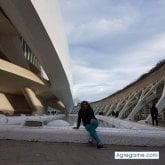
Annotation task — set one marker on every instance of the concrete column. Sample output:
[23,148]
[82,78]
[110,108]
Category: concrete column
[98,109]
[160,104]
[128,103]
[106,109]
[118,105]
[124,109]
[111,109]
[145,95]
[5,105]
[34,102]
[103,108]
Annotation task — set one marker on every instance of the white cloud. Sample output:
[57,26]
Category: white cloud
[87,21]
[97,29]
[112,42]
[96,83]
[90,75]
[92,84]
[148,51]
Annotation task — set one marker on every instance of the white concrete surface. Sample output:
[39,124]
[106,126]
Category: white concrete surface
[126,124]
[140,136]
[68,134]
[20,120]
[58,123]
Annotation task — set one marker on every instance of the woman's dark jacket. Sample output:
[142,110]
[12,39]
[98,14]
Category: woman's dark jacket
[85,116]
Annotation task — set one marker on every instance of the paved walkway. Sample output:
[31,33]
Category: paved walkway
[161,123]
[43,153]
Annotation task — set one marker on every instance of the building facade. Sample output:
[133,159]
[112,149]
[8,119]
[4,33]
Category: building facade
[34,59]
[135,101]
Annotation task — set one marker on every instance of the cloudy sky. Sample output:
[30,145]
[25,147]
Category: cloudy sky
[112,42]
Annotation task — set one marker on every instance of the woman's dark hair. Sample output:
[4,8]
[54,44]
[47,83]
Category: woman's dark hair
[85,102]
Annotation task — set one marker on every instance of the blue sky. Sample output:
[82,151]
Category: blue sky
[112,42]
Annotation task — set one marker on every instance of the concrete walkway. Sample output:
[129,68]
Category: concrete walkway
[43,153]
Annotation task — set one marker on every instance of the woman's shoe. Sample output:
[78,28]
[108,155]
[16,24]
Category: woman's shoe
[100,146]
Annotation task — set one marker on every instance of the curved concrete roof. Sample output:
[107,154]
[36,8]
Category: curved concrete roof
[39,23]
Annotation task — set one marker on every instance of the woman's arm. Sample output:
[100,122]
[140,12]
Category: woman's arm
[78,120]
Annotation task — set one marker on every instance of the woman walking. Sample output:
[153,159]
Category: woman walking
[90,122]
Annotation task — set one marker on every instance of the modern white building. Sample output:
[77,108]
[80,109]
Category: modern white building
[133,103]
[35,68]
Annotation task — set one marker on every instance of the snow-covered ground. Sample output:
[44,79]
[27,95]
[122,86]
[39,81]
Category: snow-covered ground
[58,130]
